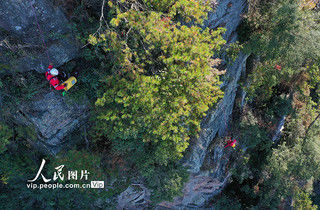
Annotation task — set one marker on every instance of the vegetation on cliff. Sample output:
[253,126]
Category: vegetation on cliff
[284,39]
[150,72]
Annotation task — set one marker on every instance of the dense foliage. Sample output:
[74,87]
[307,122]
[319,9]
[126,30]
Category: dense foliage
[284,38]
[149,70]
[162,81]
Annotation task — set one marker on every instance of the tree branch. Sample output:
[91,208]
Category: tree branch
[101,21]
[313,122]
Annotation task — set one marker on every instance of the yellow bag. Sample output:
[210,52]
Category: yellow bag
[69,83]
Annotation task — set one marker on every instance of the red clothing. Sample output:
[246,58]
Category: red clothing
[278,67]
[54,81]
[231,143]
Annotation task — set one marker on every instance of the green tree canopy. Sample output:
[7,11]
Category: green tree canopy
[163,80]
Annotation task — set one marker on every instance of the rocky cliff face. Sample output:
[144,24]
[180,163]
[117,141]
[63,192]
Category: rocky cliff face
[228,14]
[32,32]
[53,118]
[204,185]
[217,120]
[24,25]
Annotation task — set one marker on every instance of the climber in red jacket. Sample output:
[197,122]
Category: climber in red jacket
[51,76]
[278,67]
[231,143]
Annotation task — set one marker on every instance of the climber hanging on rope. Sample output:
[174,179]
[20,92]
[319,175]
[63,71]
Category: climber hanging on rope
[52,73]
[278,67]
[231,143]
[52,77]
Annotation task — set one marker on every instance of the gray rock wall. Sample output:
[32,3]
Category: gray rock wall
[19,21]
[53,118]
[203,186]
[136,196]
[228,14]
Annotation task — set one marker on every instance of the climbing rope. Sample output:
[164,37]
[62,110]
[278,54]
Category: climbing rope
[41,33]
